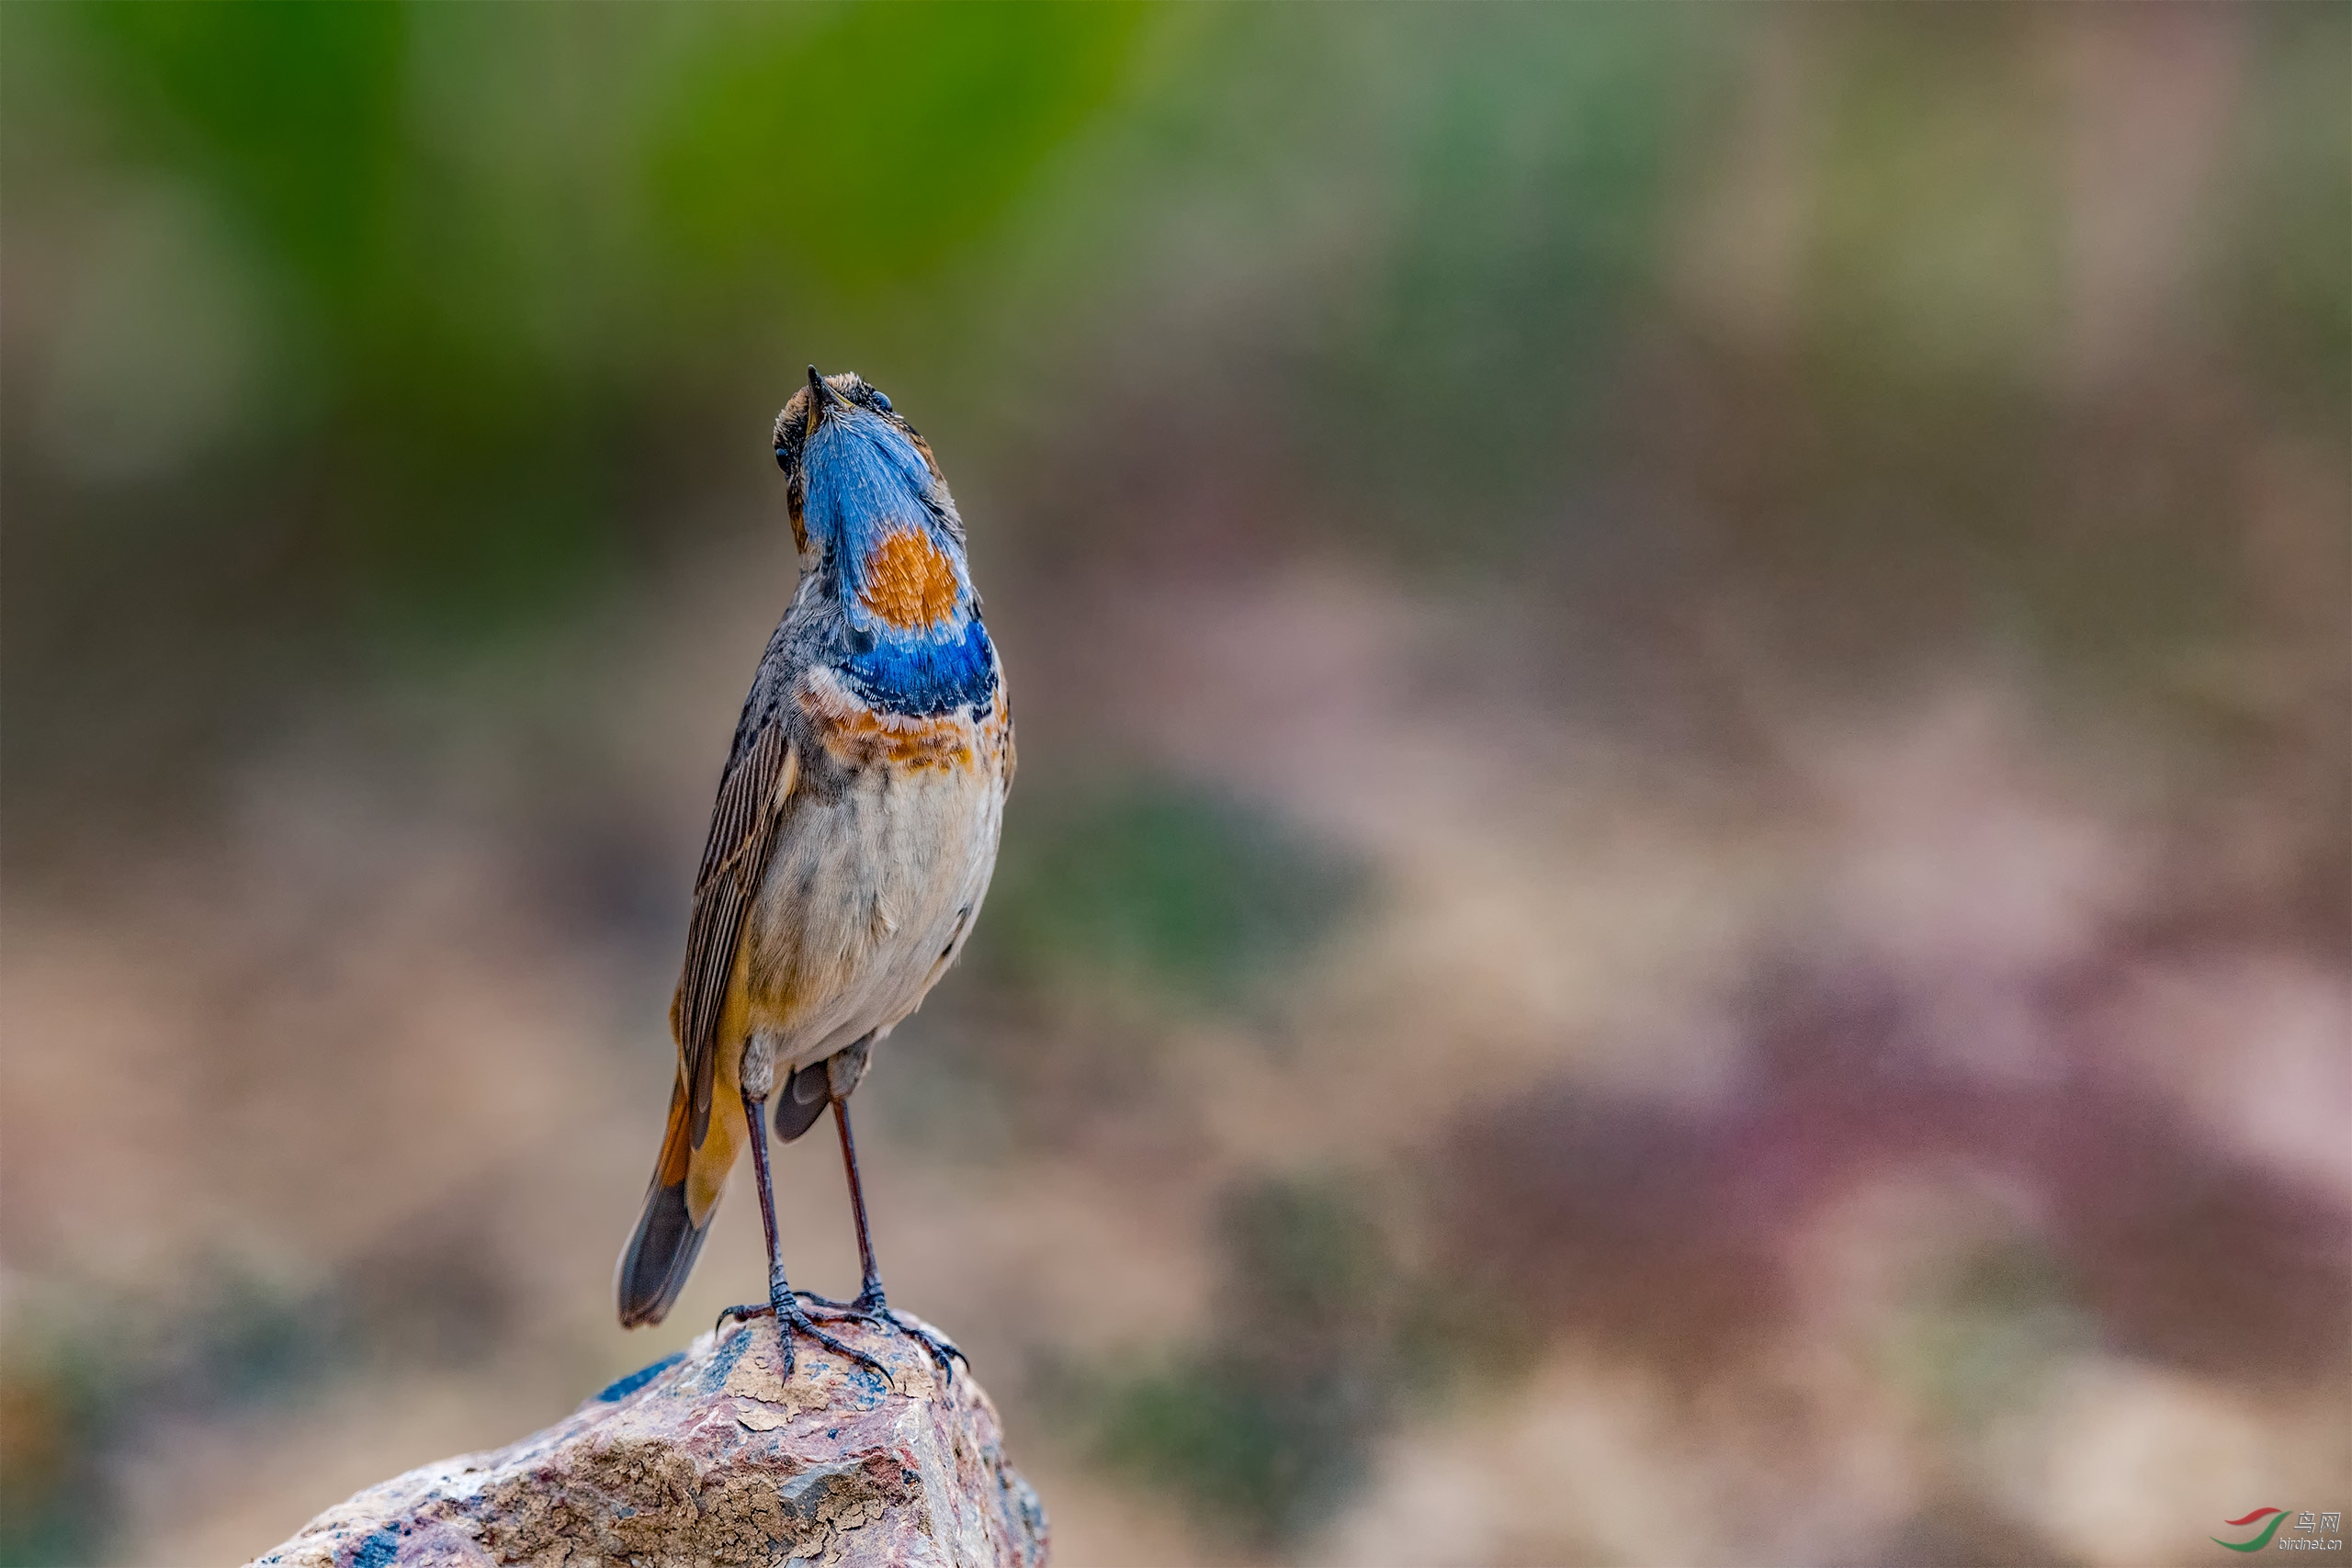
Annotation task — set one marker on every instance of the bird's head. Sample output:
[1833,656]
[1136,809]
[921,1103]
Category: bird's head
[870,510]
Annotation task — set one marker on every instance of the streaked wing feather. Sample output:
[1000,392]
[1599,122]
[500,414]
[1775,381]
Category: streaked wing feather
[742,831]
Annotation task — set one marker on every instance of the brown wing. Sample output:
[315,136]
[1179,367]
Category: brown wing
[742,831]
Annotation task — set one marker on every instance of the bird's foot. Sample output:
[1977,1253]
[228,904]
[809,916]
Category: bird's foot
[793,1318]
[871,1305]
[874,1307]
[828,1302]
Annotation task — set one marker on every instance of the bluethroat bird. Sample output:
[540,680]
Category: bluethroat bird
[850,846]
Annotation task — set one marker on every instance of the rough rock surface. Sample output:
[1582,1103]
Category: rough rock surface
[713,1457]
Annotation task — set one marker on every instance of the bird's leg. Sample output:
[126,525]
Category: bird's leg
[869,1293]
[790,1316]
[871,1302]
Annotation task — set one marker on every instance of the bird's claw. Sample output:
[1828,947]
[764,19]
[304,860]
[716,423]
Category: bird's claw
[791,1319]
[870,1307]
[828,1302]
[873,1307]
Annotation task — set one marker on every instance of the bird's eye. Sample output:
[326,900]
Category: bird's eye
[882,403]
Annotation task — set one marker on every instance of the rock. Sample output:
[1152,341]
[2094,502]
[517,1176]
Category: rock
[714,1457]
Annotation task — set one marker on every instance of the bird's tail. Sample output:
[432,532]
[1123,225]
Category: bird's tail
[679,1202]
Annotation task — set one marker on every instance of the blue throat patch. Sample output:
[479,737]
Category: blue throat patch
[863,480]
[923,677]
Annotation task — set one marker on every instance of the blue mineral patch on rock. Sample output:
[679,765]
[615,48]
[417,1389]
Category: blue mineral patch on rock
[621,1388]
[722,1364]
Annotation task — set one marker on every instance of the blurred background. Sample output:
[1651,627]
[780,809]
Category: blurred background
[1680,888]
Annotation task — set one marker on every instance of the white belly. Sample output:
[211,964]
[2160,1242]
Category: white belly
[867,900]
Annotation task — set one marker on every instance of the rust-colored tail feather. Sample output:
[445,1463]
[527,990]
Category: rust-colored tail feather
[659,1255]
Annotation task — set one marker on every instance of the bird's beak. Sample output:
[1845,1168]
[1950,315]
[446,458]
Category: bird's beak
[822,400]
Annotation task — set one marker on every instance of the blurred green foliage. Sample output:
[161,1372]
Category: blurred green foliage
[1268,1425]
[74,1393]
[1533,159]
[297,119]
[1188,897]
[508,268]
[53,1490]
[492,243]
[860,147]
[1981,1339]
[386,327]
[71,1394]
[2288,209]
[1938,253]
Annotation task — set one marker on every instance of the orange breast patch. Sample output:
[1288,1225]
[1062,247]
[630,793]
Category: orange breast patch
[909,582]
